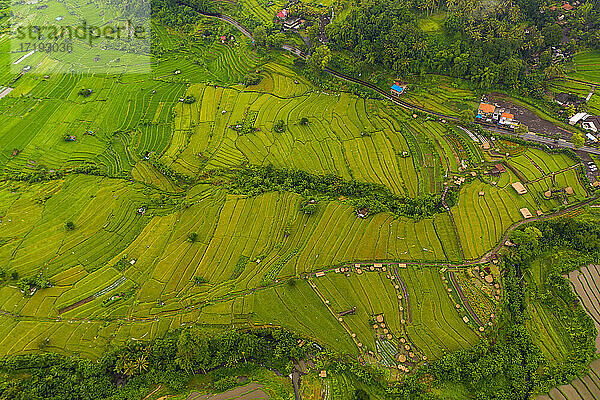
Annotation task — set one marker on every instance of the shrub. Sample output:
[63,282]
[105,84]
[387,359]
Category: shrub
[225,383]
[199,280]
[279,126]
[304,121]
[189,99]
[192,237]
[70,226]
[309,207]
[85,92]
[252,79]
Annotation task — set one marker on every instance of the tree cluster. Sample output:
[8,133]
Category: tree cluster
[254,180]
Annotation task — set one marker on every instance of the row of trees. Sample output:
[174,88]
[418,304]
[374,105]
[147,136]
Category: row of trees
[374,198]
[131,371]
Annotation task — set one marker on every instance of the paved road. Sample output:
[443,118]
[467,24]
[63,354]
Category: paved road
[529,136]
[532,137]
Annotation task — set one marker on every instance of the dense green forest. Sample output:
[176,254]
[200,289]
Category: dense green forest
[507,44]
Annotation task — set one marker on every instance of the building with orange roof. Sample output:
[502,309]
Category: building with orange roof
[566,7]
[485,111]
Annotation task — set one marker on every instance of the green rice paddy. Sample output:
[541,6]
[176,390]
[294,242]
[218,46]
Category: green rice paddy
[143,176]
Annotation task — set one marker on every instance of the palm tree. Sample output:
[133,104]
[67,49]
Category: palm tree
[141,363]
[129,368]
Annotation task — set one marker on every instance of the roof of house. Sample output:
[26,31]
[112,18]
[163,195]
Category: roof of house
[518,186]
[577,117]
[487,108]
[396,87]
[567,7]
[562,97]
[507,115]
[500,167]
[569,190]
[591,122]
[282,14]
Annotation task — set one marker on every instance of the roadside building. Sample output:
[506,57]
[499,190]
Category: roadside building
[485,112]
[508,119]
[591,123]
[577,117]
[397,89]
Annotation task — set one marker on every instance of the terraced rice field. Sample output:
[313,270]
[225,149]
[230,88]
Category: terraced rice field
[586,67]
[488,206]
[442,95]
[586,284]
[436,326]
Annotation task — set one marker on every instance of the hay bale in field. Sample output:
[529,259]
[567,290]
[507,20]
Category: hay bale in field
[402,340]
[519,188]
[382,326]
[525,212]
[379,318]
[569,190]
[401,358]
[372,268]
[386,331]
[411,354]
[465,319]
[389,336]
[481,329]
[489,278]
[481,193]
[359,271]
[548,193]
[406,347]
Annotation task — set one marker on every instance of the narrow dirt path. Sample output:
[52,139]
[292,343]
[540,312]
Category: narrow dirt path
[404,293]
[463,297]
